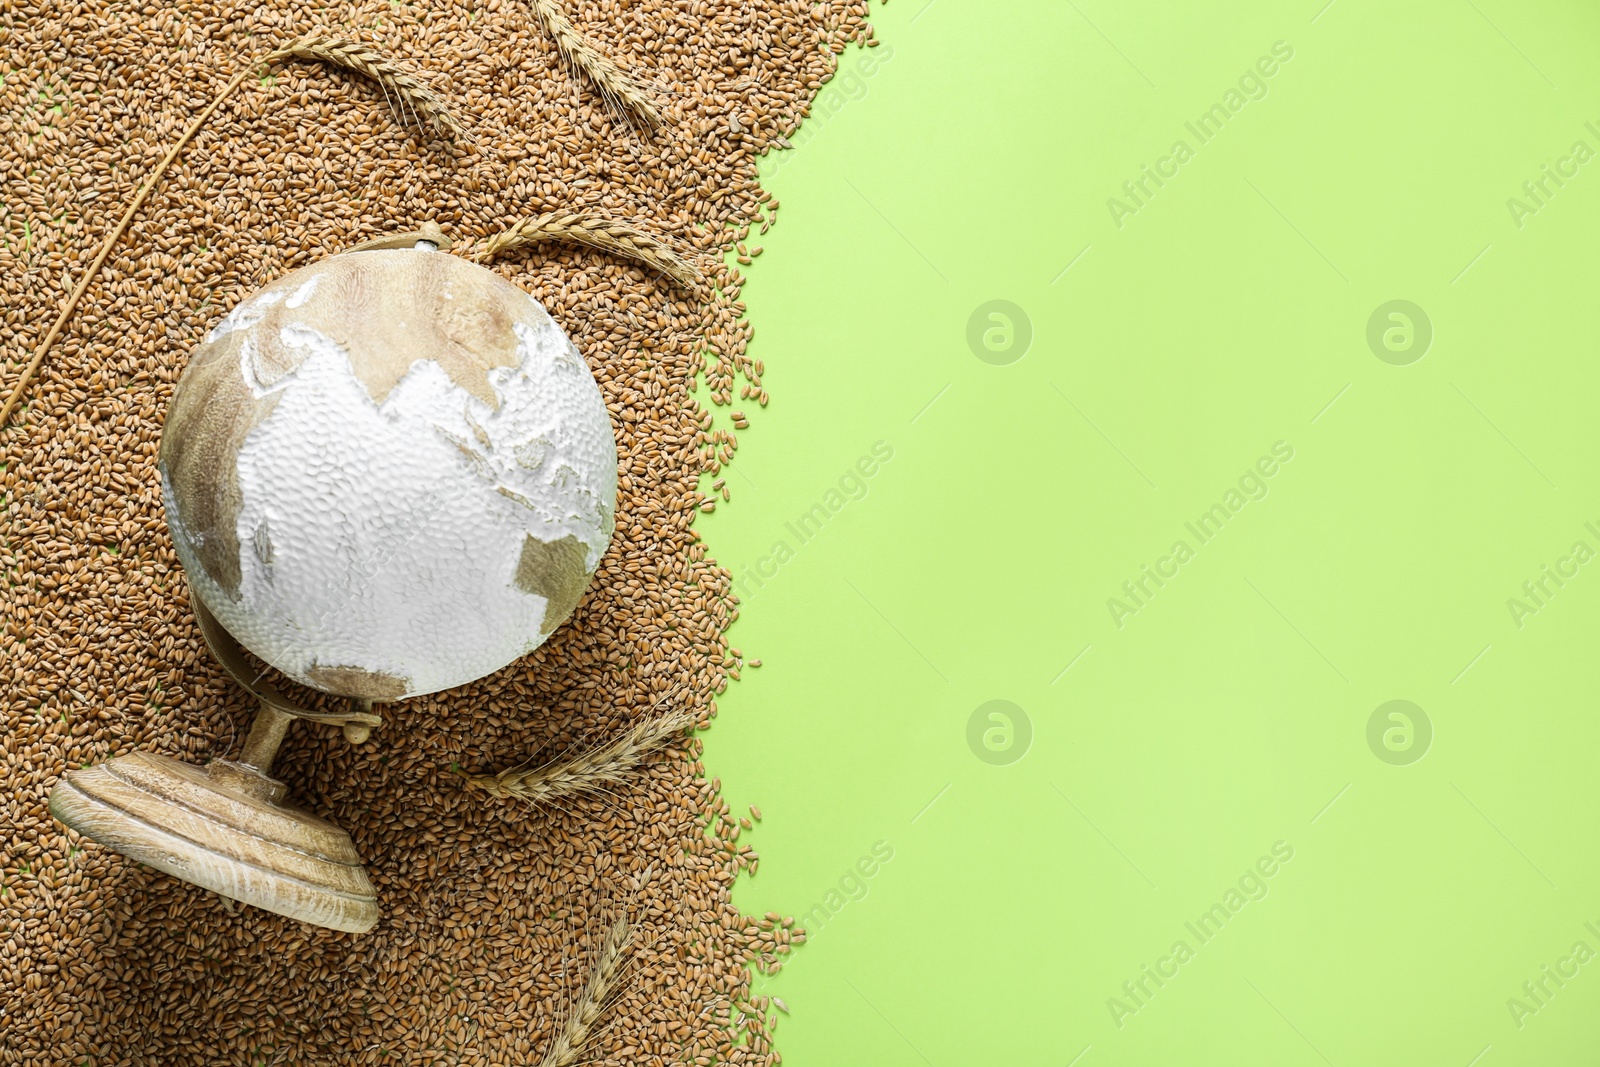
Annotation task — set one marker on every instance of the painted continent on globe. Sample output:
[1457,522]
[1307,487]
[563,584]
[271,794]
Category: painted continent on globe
[389,473]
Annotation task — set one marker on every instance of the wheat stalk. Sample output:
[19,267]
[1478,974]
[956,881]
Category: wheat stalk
[105,247]
[427,107]
[620,90]
[602,979]
[600,766]
[604,234]
[349,54]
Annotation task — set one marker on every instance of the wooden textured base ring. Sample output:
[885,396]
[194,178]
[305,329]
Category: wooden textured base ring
[225,826]
[222,827]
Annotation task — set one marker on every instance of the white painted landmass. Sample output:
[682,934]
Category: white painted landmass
[387,536]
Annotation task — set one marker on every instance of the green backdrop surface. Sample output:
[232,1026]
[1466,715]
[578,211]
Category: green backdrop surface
[1214,386]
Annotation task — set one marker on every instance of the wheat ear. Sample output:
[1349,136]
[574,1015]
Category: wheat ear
[602,765]
[602,980]
[604,234]
[619,89]
[357,57]
[427,107]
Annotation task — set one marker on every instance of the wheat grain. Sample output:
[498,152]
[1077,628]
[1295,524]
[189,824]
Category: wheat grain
[480,896]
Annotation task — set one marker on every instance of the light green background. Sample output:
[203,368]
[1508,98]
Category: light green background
[1230,713]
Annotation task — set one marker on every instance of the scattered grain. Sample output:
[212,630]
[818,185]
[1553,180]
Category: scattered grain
[475,955]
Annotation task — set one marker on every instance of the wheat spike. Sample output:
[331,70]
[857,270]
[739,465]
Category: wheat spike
[604,234]
[600,766]
[351,55]
[602,980]
[619,89]
[426,105]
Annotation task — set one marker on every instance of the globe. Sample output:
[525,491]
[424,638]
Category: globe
[388,473]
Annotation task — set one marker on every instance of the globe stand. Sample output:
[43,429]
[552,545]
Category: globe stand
[225,826]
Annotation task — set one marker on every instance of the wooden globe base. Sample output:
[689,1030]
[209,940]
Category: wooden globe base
[223,827]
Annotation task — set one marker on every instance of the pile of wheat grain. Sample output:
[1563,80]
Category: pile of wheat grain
[497,914]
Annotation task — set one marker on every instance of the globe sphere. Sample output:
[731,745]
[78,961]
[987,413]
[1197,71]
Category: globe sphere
[389,473]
